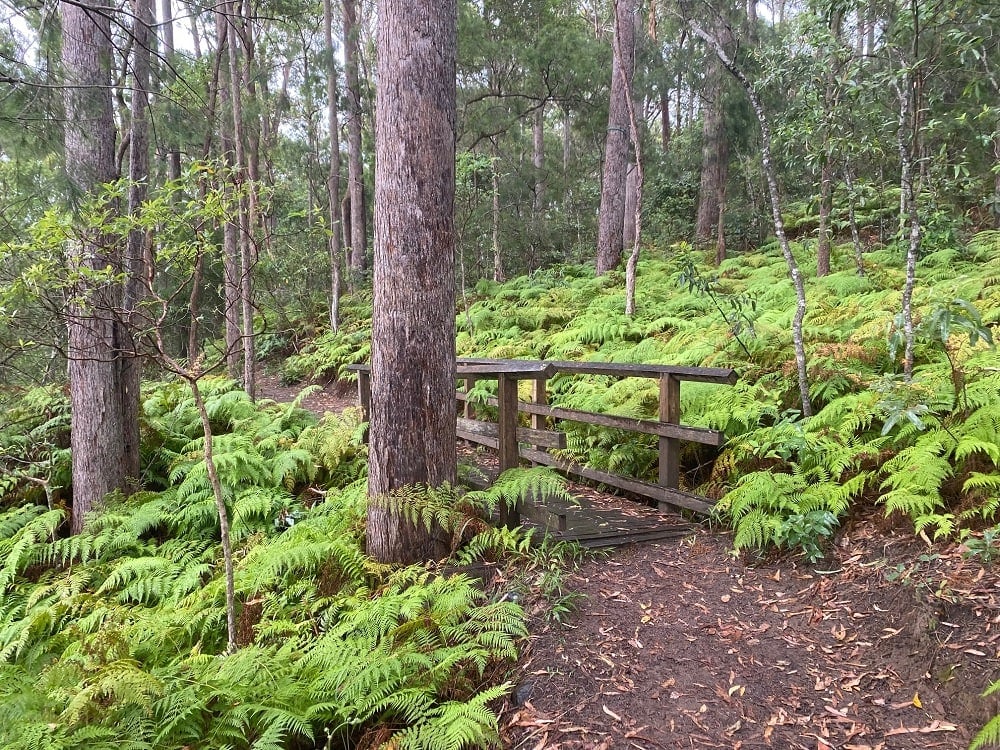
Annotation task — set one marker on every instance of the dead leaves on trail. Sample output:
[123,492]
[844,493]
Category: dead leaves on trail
[679,646]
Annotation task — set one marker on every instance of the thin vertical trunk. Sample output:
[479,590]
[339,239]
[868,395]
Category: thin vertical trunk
[333,176]
[136,245]
[859,257]
[611,217]
[631,199]
[637,179]
[355,169]
[824,240]
[779,225]
[909,220]
[538,161]
[567,140]
[96,406]
[665,120]
[720,234]
[495,214]
[412,439]
[169,58]
[230,229]
[244,226]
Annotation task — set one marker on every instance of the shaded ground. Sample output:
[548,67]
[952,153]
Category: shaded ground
[888,644]
[680,646]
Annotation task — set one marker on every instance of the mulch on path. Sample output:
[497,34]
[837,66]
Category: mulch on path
[677,644]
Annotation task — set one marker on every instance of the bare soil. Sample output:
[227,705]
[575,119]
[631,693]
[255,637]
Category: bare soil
[887,644]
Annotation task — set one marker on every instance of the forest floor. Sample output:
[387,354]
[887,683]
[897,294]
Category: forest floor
[886,644]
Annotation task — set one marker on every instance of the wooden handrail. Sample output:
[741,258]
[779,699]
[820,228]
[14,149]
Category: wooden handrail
[508,372]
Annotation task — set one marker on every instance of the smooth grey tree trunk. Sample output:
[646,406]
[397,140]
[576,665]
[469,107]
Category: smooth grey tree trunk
[611,217]
[94,385]
[412,438]
[333,176]
[794,271]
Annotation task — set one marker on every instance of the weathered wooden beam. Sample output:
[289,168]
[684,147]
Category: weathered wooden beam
[544,438]
[723,375]
[507,439]
[670,446]
[662,495]
[632,424]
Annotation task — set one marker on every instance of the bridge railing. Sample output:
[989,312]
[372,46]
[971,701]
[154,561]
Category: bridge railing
[508,438]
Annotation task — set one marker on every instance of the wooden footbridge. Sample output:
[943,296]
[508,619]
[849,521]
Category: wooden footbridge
[592,522]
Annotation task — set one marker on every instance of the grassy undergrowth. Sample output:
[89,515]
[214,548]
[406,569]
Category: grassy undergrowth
[926,450]
[116,637]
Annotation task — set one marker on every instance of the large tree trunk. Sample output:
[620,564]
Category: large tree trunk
[95,399]
[355,169]
[611,218]
[714,155]
[413,327]
[137,249]
[333,176]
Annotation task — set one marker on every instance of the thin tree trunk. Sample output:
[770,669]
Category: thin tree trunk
[779,226]
[909,220]
[413,328]
[665,120]
[230,229]
[355,169]
[136,245]
[631,199]
[245,220]
[823,242]
[538,162]
[859,250]
[636,177]
[567,140]
[495,215]
[223,513]
[611,217]
[95,398]
[170,71]
[333,176]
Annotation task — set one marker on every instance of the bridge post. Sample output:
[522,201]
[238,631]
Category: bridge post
[670,447]
[507,439]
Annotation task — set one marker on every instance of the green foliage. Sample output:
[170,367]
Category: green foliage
[116,637]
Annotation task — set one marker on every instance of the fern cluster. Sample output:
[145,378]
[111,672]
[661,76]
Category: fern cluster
[116,637]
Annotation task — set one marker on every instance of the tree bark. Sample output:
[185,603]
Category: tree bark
[611,218]
[714,154]
[136,250]
[245,221]
[95,398]
[413,328]
[230,228]
[824,240]
[169,58]
[355,168]
[333,176]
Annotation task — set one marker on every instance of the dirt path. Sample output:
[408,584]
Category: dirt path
[678,645]
[681,646]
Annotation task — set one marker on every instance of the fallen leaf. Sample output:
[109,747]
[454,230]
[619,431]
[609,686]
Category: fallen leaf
[916,700]
[934,726]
